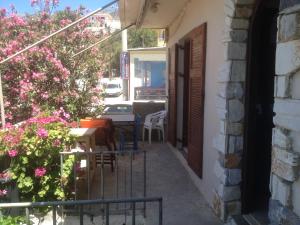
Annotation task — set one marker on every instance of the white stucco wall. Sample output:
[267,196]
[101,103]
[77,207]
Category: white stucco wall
[142,56]
[196,13]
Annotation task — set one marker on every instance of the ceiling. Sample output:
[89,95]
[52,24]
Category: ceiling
[157,13]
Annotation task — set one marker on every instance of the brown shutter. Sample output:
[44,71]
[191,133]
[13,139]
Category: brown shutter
[196,98]
[173,57]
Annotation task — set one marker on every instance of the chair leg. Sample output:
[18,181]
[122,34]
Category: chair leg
[143,134]
[158,131]
[149,139]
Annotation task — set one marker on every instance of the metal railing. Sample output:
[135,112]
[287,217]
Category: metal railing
[122,182]
[59,206]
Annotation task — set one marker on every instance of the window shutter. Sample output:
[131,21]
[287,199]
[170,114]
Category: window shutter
[173,60]
[196,98]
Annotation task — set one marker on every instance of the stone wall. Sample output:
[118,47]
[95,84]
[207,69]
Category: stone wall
[284,207]
[230,105]
[285,183]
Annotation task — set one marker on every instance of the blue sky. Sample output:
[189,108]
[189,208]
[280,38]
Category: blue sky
[23,6]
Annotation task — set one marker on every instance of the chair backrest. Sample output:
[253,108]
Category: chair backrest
[155,117]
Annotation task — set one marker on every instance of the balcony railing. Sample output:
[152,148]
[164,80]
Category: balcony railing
[58,206]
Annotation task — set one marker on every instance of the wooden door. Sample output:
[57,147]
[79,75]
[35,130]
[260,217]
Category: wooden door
[196,98]
[173,60]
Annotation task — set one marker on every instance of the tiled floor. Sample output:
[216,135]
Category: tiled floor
[183,204]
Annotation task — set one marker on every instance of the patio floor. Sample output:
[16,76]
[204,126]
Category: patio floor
[183,204]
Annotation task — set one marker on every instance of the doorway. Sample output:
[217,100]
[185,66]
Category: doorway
[259,110]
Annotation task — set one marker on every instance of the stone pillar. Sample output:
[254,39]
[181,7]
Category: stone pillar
[230,105]
[285,184]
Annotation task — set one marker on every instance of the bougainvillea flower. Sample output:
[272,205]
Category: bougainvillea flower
[42,133]
[40,172]
[3,193]
[12,153]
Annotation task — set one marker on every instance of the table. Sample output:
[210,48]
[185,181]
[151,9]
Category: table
[86,135]
[121,119]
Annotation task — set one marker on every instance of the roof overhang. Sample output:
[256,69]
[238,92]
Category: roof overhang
[150,13]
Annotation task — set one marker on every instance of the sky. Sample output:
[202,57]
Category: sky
[23,6]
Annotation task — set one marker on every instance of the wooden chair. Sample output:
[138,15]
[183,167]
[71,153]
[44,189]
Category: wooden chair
[104,136]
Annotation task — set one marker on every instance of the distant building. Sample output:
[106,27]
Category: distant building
[147,73]
[104,24]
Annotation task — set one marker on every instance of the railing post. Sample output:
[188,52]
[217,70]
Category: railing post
[75,175]
[117,177]
[145,181]
[81,214]
[133,213]
[88,175]
[102,175]
[160,212]
[131,188]
[54,215]
[27,216]
[107,213]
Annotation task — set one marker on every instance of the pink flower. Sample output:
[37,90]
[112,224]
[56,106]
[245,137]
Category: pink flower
[40,172]
[3,193]
[56,143]
[42,133]
[12,153]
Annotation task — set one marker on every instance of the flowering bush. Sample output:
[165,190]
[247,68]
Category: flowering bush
[33,148]
[47,77]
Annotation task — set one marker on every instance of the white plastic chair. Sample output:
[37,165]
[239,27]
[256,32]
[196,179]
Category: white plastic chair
[155,121]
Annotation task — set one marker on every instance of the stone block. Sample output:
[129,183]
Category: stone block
[232,161]
[284,170]
[295,86]
[287,122]
[238,72]
[235,51]
[222,114]
[236,23]
[231,90]
[239,143]
[235,110]
[282,86]
[235,35]
[244,2]
[229,3]
[224,72]
[287,114]
[228,177]
[280,138]
[221,103]
[290,158]
[231,128]
[289,28]
[280,214]
[287,57]
[287,107]
[281,190]
[243,12]
[219,143]
[229,11]
[218,206]
[295,139]
[229,193]
[233,208]
[225,209]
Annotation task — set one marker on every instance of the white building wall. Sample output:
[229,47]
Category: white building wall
[196,13]
[142,56]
